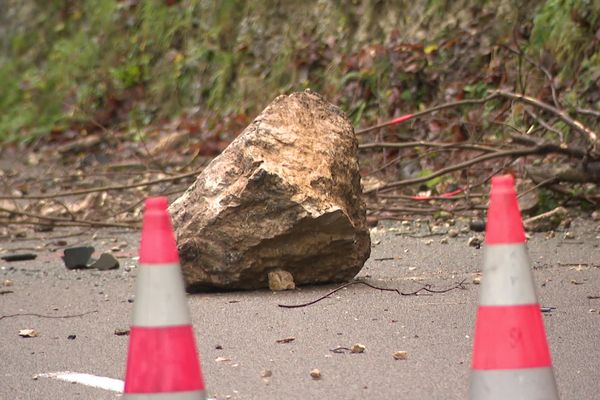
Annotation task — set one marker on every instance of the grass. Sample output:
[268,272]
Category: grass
[65,63]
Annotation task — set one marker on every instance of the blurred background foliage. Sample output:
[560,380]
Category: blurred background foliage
[68,64]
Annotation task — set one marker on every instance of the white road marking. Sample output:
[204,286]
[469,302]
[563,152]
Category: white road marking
[100,382]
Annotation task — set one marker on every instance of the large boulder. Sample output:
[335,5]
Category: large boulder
[283,197]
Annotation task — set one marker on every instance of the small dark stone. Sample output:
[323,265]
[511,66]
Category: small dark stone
[477,225]
[121,332]
[19,257]
[77,257]
[71,337]
[219,347]
[105,262]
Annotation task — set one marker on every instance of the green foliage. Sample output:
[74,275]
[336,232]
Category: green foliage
[82,61]
[567,30]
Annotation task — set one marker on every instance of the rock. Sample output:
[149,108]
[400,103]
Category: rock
[453,232]
[77,257]
[400,355]
[477,225]
[315,373]
[285,195]
[475,242]
[281,280]
[105,262]
[358,348]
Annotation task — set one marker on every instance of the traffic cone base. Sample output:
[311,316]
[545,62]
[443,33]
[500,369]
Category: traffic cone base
[159,297]
[511,359]
[505,280]
[525,384]
[168,396]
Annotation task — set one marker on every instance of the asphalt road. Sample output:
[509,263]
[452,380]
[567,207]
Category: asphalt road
[241,329]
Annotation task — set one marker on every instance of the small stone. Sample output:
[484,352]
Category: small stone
[453,232]
[477,279]
[281,280]
[72,337]
[115,249]
[400,355]
[105,262]
[357,348]
[477,225]
[444,240]
[266,373]
[315,373]
[28,333]
[121,332]
[428,242]
[77,257]
[464,229]
[474,242]
[406,223]
[7,282]
[569,235]
[438,230]
[596,215]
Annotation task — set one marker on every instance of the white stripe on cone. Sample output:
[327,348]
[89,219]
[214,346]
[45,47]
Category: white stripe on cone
[507,278]
[160,298]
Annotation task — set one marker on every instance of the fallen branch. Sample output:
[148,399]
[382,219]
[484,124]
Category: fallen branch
[426,288]
[101,188]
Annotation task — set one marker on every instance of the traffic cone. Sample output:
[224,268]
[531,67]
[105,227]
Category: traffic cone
[162,361]
[511,359]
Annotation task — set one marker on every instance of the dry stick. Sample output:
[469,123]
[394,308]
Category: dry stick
[101,189]
[429,111]
[548,181]
[415,293]
[541,149]
[443,145]
[578,126]
[67,221]
[545,125]
[588,111]
[47,316]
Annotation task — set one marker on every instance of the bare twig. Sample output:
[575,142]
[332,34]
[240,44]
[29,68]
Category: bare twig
[578,126]
[67,221]
[428,111]
[539,150]
[588,111]
[426,288]
[47,316]
[403,145]
[102,188]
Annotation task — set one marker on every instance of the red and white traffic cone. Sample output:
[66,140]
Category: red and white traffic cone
[162,361]
[511,359]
